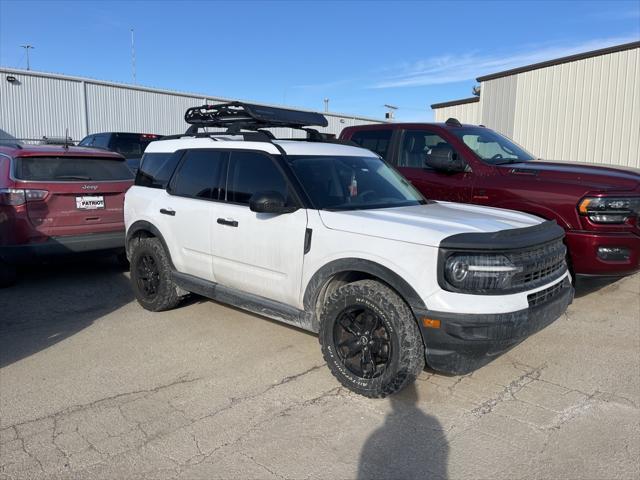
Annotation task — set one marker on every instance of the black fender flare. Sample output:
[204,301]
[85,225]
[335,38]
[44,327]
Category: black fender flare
[142,226]
[345,265]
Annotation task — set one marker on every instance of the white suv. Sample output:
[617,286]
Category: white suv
[329,238]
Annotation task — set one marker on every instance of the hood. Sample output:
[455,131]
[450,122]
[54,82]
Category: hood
[426,224]
[590,175]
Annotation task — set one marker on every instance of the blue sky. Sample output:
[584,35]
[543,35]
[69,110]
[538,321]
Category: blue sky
[360,55]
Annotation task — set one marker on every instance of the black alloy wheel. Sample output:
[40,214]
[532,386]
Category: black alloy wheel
[362,341]
[148,277]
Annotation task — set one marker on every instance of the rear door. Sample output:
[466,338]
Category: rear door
[410,161]
[79,194]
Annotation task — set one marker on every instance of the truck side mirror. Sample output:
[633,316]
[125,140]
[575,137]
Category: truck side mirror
[444,159]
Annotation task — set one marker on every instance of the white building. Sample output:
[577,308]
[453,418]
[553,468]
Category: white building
[36,104]
[584,107]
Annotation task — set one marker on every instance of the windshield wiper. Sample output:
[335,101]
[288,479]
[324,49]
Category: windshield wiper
[72,177]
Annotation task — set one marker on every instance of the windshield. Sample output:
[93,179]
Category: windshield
[491,146]
[353,183]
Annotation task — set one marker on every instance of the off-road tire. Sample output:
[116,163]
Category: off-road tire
[406,359]
[8,275]
[166,294]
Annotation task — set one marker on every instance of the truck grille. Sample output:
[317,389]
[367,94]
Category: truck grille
[540,265]
[545,295]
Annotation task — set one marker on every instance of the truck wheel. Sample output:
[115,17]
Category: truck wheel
[370,339]
[151,276]
[7,275]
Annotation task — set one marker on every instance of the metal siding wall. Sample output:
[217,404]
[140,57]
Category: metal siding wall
[498,104]
[466,113]
[35,107]
[43,104]
[587,110]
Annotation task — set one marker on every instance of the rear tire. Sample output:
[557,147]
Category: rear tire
[8,275]
[151,276]
[370,339]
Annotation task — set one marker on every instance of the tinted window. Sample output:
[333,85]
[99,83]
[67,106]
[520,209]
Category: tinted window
[415,146]
[101,141]
[69,169]
[130,145]
[86,142]
[250,173]
[199,174]
[351,183]
[375,140]
[156,169]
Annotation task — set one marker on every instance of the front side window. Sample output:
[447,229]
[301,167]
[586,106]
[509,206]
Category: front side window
[415,147]
[377,141]
[353,183]
[199,175]
[86,142]
[101,141]
[130,145]
[492,147]
[252,172]
[70,169]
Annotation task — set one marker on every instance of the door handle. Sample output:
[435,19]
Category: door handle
[168,211]
[230,223]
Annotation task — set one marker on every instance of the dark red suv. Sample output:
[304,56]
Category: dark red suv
[57,200]
[598,206]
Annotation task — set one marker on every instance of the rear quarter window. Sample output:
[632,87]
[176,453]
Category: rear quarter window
[156,169]
[70,169]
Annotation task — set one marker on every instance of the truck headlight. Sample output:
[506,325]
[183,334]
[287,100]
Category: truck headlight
[609,209]
[478,272]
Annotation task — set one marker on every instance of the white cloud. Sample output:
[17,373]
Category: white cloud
[468,66]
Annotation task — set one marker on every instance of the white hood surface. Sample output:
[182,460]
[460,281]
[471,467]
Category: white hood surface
[426,224]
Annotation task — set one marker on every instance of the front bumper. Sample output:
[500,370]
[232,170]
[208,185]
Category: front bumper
[583,248]
[62,246]
[465,342]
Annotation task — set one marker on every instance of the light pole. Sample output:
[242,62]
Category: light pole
[391,109]
[28,47]
[133,58]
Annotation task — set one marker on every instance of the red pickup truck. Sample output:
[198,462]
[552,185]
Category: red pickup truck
[598,206]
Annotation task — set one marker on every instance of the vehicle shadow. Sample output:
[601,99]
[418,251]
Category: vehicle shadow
[410,444]
[586,285]
[53,301]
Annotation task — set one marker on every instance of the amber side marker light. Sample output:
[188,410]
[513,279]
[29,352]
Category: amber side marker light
[430,323]
[584,204]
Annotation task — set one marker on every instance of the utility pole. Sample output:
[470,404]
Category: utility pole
[326,105]
[28,47]
[133,58]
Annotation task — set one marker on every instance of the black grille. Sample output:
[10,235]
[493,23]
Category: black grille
[545,295]
[539,265]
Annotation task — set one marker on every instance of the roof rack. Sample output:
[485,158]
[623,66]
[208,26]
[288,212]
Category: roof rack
[236,116]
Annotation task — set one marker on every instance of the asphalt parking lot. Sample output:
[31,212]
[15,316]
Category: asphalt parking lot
[93,386]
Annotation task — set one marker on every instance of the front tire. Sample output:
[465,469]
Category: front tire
[151,276]
[370,339]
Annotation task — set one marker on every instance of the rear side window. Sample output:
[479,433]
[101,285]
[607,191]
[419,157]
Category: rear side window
[377,141]
[252,172]
[156,169]
[199,174]
[70,169]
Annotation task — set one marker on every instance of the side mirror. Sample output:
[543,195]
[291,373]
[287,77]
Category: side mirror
[444,159]
[269,202]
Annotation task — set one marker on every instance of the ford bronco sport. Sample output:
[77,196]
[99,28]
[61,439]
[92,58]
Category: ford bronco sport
[329,238]
[597,205]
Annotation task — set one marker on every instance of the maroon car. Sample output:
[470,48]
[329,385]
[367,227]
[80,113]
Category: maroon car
[59,200]
[597,205]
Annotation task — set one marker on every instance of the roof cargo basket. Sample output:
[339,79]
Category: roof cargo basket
[236,116]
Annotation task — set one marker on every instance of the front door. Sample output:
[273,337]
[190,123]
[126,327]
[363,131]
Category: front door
[258,253]
[451,187]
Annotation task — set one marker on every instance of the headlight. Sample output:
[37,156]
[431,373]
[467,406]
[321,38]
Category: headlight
[609,209]
[479,272]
